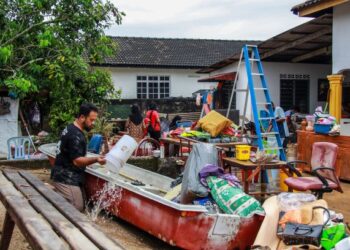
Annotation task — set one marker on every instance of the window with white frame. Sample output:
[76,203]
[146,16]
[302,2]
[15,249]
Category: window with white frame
[153,87]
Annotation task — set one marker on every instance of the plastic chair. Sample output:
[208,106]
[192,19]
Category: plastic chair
[95,144]
[18,148]
[184,124]
[324,155]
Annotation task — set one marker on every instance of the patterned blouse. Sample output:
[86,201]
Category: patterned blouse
[135,131]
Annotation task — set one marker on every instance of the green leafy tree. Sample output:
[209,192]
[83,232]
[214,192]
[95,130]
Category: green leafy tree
[47,44]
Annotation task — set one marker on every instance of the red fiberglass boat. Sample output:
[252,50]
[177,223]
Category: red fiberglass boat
[184,226]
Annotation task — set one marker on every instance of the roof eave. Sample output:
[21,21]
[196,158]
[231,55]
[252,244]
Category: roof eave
[316,9]
[114,65]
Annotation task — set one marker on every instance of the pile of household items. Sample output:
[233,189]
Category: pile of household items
[322,123]
[213,128]
[204,183]
[298,219]
[301,222]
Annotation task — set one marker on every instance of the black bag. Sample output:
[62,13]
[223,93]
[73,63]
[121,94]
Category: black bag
[304,234]
[4,107]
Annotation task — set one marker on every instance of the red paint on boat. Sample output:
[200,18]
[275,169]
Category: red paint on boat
[51,161]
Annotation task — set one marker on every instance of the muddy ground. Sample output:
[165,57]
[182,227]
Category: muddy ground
[131,237]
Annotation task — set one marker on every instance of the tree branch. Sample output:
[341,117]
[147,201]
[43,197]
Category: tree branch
[30,62]
[8,70]
[28,29]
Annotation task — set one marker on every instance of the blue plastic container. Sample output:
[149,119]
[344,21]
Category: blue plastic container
[95,144]
[322,128]
[184,124]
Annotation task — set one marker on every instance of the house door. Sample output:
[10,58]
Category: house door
[294,92]
[226,92]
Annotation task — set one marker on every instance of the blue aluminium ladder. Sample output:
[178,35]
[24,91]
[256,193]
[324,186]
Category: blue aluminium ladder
[251,57]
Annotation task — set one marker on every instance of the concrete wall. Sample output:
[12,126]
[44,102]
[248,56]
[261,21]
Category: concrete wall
[183,82]
[168,106]
[272,72]
[341,37]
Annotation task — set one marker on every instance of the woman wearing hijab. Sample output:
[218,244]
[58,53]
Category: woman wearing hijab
[134,124]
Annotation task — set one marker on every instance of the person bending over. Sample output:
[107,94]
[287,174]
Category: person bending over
[69,170]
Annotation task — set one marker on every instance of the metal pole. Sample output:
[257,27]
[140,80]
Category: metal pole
[247,96]
[234,84]
[26,127]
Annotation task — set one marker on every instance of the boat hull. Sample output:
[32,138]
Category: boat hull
[187,230]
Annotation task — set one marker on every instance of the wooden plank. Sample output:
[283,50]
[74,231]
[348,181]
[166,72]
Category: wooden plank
[75,238]
[309,10]
[302,40]
[321,51]
[248,163]
[69,211]
[7,231]
[37,231]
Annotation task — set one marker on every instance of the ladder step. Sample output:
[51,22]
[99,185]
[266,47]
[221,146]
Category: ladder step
[263,103]
[241,90]
[257,74]
[260,88]
[266,118]
[252,46]
[275,148]
[253,59]
[270,133]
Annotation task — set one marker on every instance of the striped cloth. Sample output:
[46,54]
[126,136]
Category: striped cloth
[232,200]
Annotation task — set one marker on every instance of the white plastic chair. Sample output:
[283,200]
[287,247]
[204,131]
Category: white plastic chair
[18,148]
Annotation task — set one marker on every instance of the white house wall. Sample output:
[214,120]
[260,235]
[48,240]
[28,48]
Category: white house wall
[9,125]
[183,82]
[272,72]
[341,37]
[316,72]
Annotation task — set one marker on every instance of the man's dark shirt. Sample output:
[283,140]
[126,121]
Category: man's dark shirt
[71,146]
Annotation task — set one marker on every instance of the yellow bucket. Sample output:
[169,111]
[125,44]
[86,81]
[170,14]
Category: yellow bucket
[284,176]
[243,152]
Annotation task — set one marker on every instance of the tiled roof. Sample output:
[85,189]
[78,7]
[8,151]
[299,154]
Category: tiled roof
[171,53]
[308,3]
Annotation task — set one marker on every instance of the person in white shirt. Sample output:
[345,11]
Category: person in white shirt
[281,121]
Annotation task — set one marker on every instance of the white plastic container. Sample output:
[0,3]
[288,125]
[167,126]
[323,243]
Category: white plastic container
[120,153]
[156,153]
[162,150]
